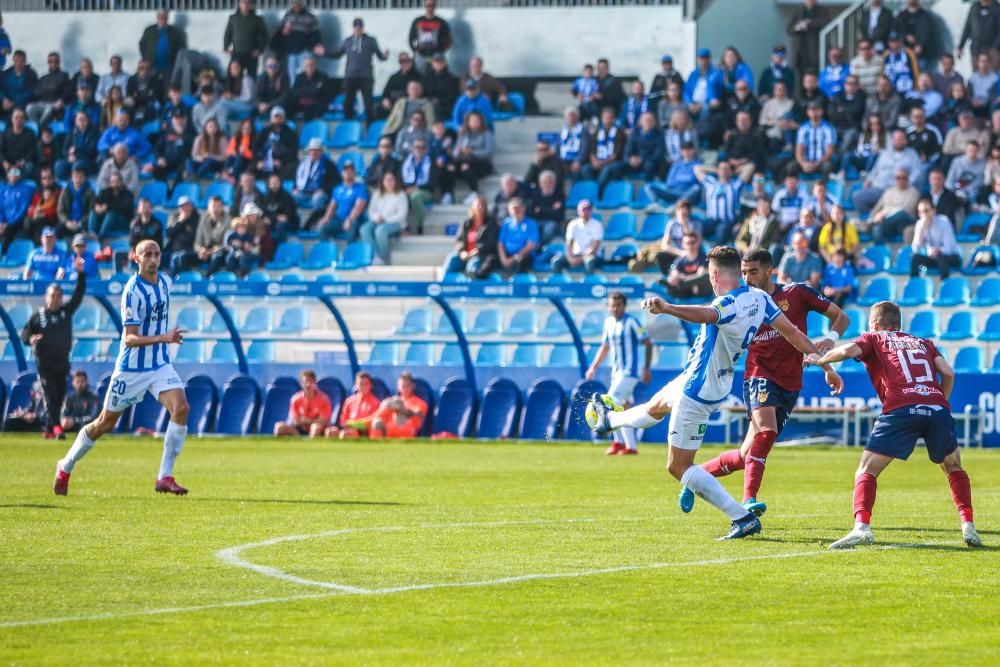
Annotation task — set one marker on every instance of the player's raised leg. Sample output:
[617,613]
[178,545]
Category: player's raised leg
[84,442]
[961,494]
[865,486]
[175,401]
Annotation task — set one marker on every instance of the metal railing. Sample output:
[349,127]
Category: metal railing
[315,5]
[845,30]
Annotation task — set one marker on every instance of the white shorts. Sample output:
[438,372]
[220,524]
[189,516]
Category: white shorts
[622,387]
[129,387]
[688,417]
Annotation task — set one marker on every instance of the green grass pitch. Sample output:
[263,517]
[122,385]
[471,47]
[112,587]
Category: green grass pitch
[480,554]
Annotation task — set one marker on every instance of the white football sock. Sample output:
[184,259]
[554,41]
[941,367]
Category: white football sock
[81,446]
[628,436]
[173,442]
[702,483]
[636,417]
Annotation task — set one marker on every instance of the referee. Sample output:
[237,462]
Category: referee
[49,332]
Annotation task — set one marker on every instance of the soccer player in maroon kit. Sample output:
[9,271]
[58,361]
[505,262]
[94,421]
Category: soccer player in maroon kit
[903,368]
[773,377]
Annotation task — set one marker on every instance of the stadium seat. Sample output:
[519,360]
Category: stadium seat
[355,157]
[20,392]
[416,321]
[221,189]
[455,408]
[581,190]
[216,324]
[593,323]
[294,320]
[155,192]
[423,389]
[85,349]
[620,225]
[17,254]
[114,347]
[224,352]
[961,326]
[524,279]
[653,227]
[953,291]
[287,255]
[901,265]
[970,270]
[314,129]
[223,277]
[976,219]
[189,277]
[817,324]
[373,134]
[294,276]
[238,406]
[563,355]
[203,399]
[184,189]
[969,360]
[258,320]
[616,194]
[499,410]
[987,292]
[261,352]
[451,355]
[322,255]
[488,322]
[544,404]
[858,325]
[274,408]
[879,256]
[575,426]
[671,357]
[87,318]
[336,392]
[345,135]
[384,352]
[260,276]
[640,201]
[926,324]
[148,415]
[357,255]
[523,323]
[419,354]
[878,289]
[991,332]
[916,292]
[190,318]
[490,354]
[555,325]
[527,354]
[443,326]
[192,352]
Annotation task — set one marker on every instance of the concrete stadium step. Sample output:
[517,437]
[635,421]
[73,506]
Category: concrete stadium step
[424,251]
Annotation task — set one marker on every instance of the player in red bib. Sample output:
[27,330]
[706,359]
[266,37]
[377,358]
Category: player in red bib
[903,369]
[773,377]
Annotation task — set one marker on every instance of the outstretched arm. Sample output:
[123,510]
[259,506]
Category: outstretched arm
[845,351]
[802,343]
[134,339]
[839,321]
[693,314]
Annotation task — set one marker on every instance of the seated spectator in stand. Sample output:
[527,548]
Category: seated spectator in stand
[965,175]
[309,411]
[404,108]
[837,233]
[44,262]
[834,75]
[671,103]
[144,93]
[926,96]
[242,248]
[645,151]
[489,85]
[239,150]
[112,104]
[846,112]
[982,86]
[144,226]
[871,142]
[209,241]
[722,200]
[419,177]
[31,418]
[15,198]
[237,90]
[934,245]
[885,103]
[635,105]
[75,203]
[789,200]
[777,120]
[944,200]
[476,243]
[815,143]
[703,92]
[273,88]
[745,148]
[259,227]
[925,139]
[112,209]
[79,148]
[81,405]
[587,89]
[246,192]
[122,164]
[666,76]
[116,77]
[440,147]
[801,265]
[839,279]
[518,239]
[688,276]
[357,411]
[741,101]
[810,94]
[472,158]
[316,177]
[276,148]
[19,146]
[759,187]
[607,149]
[547,208]
[955,103]
[957,137]
[546,159]
[661,255]
[574,143]
[898,158]
[209,105]
[510,188]
[402,415]
[18,83]
[821,201]
[900,65]
[175,147]
[441,86]
[415,129]
[760,229]
[584,236]
[53,90]
[346,211]
[471,101]
[79,253]
[179,253]
[123,133]
[382,162]
[44,209]
[895,210]
[208,152]
[278,206]
[807,226]
[946,75]
[777,70]
[388,212]
[84,101]
[395,87]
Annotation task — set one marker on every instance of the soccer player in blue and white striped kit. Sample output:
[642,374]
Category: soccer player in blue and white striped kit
[622,337]
[143,365]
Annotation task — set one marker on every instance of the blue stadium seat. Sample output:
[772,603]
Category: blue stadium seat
[987,292]
[455,407]
[356,157]
[17,254]
[384,352]
[524,279]
[345,135]
[373,134]
[994,368]
[147,414]
[238,406]
[878,289]
[223,277]
[189,277]
[901,265]
[184,189]
[294,320]
[640,201]
[620,225]
[916,292]
[953,291]
[357,255]
[274,408]
[423,389]
[416,321]
[490,354]
[542,416]
[155,192]
[261,276]
[8,351]
[203,399]
[858,325]
[85,349]
[817,324]
[671,357]
[87,318]
[20,393]
[616,194]
[575,426]
[451,355]
[593,323]
[555,325]
[216,324]
[977,219]
[499,410]
[221,189]
[618,262]
[969,360]
[961,326]
[190,318]
[419,354]
[294,276]
[879,256]
[970,270]
[926,324]
[581,190]
[322,255]
[224,353]
[261,352]
[314,129]
[563,355]
[336,392]
[114,347]
[488,322]
[192,352]
[258,320]
[443,326]
[991,332]
[653,227]
[527,354]
[524,322]
[286,256]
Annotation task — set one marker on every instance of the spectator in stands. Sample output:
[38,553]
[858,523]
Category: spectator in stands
[957,102]
[839,278]
[645,151]
[259,227]
[945,201]
[30,418]
[441,86]
[722,200]
[19,146]
[807,226]
[278,206]
[703,89]
[634,106]
[112,209]
[208,152]
[359,48]
[759,187]
[846,113]
[401,415]
[546,207]
[144,226]
[312,91]
[934,244]
[404,108]
[44,209]
[175,154]
[895,209]
[382,162]
[112,104]
[870,144]
[822,202]
[440,146]
[17,83]
[489,85]
[760,229]
[395,87]
[965,175]
[867,65]
[246,37]
[44,263]
[120,163]
[173,102]
[84,102]
[298,38]
[81,406]
[5,45]
[245,192]
[982,26]
[179,250]
[801,265]
[476,243]
[416,129]
[50,94]
[776,118]
[388,212]
[345,212]
[86,73]
[815,143]
[510,188]
[430,35]
[144,93]
[900,64]
[916,26]
[804,29]
[78,251]
[116,77]
[518,239]
[419,177]
[982,86]
[574,143]
[688,275]
[959,136]
[238,89]
[836,234]
[741,100]
[316,177]
[276,147]
[15,197]
[810,93]
[161,42]
[309,411]
[745,148]
[242,248]
[925,139]
[123,133]
[671,103]
[75,204]
[472,158]
[546,159]
[789,200]
[584,236]
[946,75]
[682,180]
[898,157]
[665,77]
[471,101]
[777,70]
[661,255]
[609,88]
[239,150]
[875,24]
[357,411]
[273,88]
[732,70]
[209,106]
[209,240]
[607,149]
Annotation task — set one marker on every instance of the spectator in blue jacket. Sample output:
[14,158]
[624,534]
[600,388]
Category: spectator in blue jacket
[732,69]
[45,263]
[645,151]
[518,239]
[703,89]
[84,102]
[15,198]
[833,76]
[682,181]
[123,133]
[18,83]
[79,251]
[79,148]
[472,100]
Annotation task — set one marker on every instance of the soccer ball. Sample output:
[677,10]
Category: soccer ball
[590,415]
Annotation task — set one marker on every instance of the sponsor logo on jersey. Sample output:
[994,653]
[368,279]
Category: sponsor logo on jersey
[920,390]
[783,304]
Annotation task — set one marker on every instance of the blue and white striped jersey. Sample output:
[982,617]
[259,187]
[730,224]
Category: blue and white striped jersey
[708,373]
[623,338]
[722,200]
[146,306]
[816,138]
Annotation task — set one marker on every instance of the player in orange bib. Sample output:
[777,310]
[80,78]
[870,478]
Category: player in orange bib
[309,410]
[357,411]
[402,415]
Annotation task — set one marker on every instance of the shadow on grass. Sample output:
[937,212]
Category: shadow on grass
[35,506]
[951,531]
[289,501]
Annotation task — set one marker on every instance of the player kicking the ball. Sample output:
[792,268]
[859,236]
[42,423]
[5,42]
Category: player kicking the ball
[728,327]
[903,368]
[773,377]
[142,365]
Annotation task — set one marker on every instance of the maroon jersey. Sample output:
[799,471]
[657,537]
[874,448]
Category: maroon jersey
[902,369]
[771,356]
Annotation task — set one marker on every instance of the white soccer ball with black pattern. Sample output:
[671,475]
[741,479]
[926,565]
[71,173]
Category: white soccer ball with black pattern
[590,415]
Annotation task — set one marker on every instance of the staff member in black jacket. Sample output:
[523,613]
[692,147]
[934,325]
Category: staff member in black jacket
[49,331]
